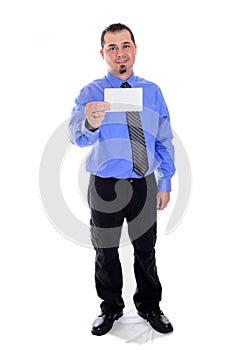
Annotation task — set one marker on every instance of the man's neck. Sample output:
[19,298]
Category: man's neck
[124,76]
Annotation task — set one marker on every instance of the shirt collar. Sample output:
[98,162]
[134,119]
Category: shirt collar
[116,82]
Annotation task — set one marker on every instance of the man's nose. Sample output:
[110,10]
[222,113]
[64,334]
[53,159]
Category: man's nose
[120,52]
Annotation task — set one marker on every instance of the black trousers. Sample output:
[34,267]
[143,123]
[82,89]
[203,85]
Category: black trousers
[111,201]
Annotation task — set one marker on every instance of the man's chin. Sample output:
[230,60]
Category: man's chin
[122,69]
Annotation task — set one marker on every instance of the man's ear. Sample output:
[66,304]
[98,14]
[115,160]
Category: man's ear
[102,54]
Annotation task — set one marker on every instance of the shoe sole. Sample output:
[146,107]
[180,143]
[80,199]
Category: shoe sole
[106,330]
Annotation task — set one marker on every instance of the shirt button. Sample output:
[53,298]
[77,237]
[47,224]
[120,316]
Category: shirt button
[131,180]
[90,142]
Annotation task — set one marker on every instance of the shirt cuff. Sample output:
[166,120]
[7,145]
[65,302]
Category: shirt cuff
[164,185]
[90,136]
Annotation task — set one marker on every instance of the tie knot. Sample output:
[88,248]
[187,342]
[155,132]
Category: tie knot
[125,85]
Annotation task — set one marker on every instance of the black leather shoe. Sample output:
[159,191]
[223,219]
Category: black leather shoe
[104,323]
[158,321]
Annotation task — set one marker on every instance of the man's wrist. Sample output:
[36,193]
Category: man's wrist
[89,126]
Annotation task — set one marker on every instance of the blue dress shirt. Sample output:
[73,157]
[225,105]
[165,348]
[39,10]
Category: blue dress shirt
[111,154]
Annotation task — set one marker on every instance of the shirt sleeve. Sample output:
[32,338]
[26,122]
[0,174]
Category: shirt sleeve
[78,132]
[164,149]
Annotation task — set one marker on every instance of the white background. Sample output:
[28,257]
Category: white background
[49,51]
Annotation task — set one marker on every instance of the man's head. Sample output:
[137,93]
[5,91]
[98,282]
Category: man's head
[116,27]
[118,50]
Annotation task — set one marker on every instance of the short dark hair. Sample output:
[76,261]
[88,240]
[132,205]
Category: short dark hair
[116,27]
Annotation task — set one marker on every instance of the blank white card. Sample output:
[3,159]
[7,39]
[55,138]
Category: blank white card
[124,100]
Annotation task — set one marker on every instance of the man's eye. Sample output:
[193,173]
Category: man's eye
[112,48]
[126,46]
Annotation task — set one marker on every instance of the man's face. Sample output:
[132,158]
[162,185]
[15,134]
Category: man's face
[119,53]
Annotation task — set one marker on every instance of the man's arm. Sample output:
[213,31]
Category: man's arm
[86,118]
[165,155]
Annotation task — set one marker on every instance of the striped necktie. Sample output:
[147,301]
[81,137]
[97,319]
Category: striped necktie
[138,145]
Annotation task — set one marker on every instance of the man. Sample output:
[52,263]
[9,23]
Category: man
[122,181]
